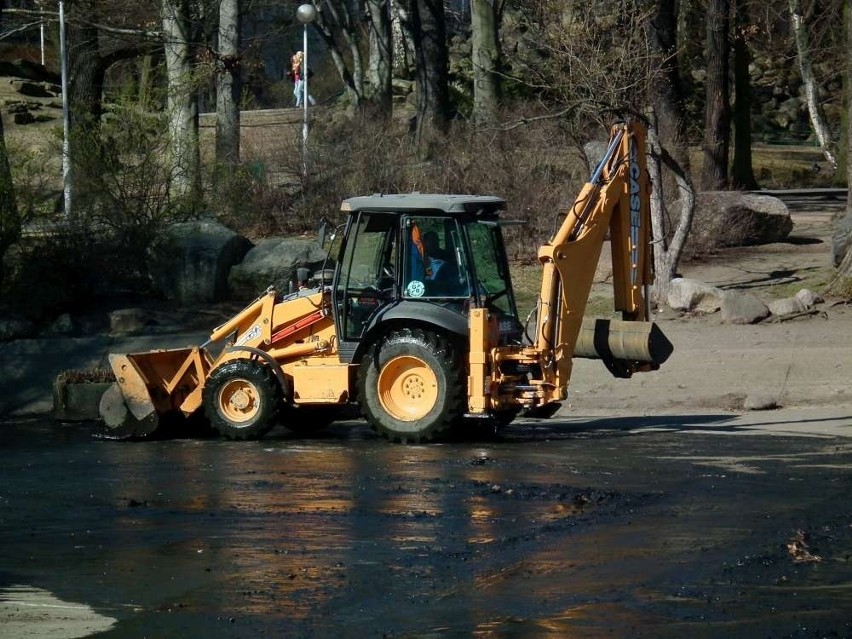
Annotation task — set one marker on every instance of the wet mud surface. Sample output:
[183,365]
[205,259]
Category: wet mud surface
[677,526]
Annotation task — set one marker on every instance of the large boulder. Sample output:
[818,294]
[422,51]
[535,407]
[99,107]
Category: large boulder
[15,327]
[734,218]
[35,89]
[273,262]
[743,308]
[27,70]
[808,298]
[190,261]
[595,152]
[693,295]
[786,306]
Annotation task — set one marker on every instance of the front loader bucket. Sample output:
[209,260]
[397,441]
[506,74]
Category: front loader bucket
[150,385]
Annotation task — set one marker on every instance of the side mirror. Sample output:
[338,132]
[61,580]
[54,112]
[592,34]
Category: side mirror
[321,231]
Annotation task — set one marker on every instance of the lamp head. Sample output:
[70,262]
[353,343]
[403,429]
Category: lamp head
[306,13]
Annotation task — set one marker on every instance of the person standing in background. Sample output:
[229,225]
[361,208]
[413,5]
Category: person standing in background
[297,75]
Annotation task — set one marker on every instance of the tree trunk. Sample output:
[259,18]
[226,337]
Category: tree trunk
[333,17]
[810,85]
[228,86]
[380,71]
[85,70]
[844,158]
[667,255]
[667,91]
[432,64]
[147,75]
[742,172]
[840,284]
[717,120]
[668,162]
[182,103]
[485,55]
[10,222]
[403,40]
[847,83]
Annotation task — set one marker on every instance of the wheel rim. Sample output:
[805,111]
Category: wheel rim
[239,401]
[408,388]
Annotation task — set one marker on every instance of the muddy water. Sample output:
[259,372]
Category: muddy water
[668,527]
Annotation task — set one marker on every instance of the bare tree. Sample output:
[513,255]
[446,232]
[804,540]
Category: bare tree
[842,238]
[800,31]
[95,46]
[668,145]
[403,41]
[10,222]
[429,30]
[600,69]
[380,69]
[182,100]
[666,92]
[670,239]
[228,85]
[485,54]
[717,110]
[85,67]
[338,30]
[742,171]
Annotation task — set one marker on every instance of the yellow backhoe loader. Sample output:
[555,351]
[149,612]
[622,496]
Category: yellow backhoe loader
[415,322]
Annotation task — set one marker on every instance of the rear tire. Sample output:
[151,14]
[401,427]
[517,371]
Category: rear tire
[412,387]
[241,399]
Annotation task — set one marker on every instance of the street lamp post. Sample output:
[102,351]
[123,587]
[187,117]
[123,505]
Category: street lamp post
[67,183]
[306,14]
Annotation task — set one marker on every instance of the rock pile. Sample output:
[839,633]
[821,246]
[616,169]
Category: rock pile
[38,92]
[736,307]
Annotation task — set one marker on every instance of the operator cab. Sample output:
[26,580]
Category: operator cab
[418,258]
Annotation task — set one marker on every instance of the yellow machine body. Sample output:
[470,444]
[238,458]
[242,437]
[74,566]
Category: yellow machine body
[293,349]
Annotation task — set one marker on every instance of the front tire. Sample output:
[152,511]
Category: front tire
[412,387]
[241,399]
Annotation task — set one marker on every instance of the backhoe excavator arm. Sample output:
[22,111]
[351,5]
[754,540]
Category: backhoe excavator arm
[615,200]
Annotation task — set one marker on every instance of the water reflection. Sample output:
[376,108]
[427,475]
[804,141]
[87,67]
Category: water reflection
[288,528]
[299,538]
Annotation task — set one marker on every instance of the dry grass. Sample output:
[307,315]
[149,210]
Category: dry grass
[526,280]
[783,166]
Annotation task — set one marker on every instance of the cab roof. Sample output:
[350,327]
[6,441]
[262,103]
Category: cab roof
[410,202]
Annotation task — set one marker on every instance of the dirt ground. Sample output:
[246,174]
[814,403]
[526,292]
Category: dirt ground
[805,361]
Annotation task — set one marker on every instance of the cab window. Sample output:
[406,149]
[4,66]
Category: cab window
[433,264]
[367,274]
[492,277]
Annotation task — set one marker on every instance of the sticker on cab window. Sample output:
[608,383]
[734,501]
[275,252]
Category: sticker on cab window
[415,288]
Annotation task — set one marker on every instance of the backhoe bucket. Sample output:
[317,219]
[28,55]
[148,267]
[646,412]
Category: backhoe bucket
[628,343]
[150,385]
